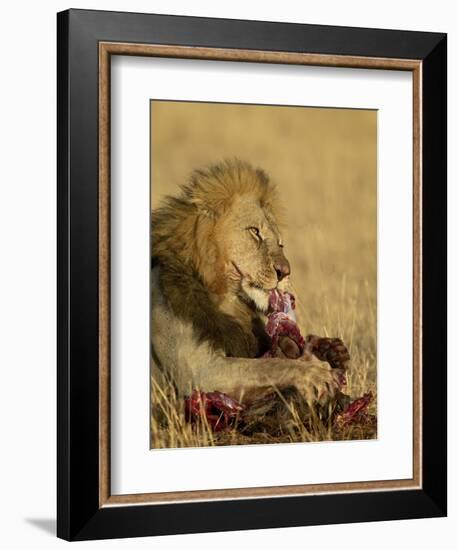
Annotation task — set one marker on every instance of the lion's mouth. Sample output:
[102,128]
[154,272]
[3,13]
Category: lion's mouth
[253,292]
[237,269]
[248,279]
[258,286]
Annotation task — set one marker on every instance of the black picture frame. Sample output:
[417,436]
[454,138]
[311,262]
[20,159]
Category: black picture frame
[79,514]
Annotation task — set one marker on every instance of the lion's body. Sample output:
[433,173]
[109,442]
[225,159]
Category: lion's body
[216,254]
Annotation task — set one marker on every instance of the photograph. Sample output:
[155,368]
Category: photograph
[263,289]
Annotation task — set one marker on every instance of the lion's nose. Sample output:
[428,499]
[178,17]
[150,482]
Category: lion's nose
[282,269]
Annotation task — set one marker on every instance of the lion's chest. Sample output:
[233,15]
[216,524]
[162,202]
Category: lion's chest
[252,322]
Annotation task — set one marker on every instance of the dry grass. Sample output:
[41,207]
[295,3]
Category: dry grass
[324,162]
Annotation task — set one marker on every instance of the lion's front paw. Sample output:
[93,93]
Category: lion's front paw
[331,350]
[320,384]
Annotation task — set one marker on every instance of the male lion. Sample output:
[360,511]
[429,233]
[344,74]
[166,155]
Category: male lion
[217,251]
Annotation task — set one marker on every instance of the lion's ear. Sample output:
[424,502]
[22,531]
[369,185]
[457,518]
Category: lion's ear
[212,207]
[203,207]
[210,190]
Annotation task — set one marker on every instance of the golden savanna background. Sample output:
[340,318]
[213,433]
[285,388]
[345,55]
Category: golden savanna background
[324,162]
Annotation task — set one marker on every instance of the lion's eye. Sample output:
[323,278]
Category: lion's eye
[255,232]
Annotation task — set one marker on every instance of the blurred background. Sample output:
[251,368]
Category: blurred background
[324,162]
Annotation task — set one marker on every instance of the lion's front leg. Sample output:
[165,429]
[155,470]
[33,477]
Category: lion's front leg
[244,379]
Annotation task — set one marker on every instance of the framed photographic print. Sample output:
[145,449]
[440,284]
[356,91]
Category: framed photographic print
[252,274]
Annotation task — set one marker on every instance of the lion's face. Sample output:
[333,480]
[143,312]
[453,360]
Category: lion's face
[254,250]
[224,226]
